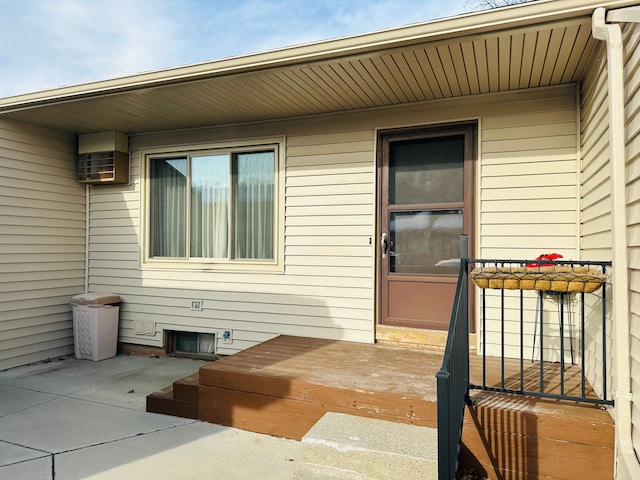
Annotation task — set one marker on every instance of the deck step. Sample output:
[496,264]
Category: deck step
[186,389]
[179,399]
[353,447]
[285,386]
[505,435]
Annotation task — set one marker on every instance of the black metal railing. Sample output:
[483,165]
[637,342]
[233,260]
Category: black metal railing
[453,378]
[556,357]
[549,375]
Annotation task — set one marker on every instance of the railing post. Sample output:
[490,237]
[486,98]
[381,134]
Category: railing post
[445,433]
[464,307]
[464,246]
[453,377]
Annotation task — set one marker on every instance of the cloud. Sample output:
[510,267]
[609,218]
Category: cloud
[61,42]
[109,37]
[258,25]
[51,43]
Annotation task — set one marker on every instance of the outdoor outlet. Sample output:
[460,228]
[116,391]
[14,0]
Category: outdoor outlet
[196,305]
[227,336]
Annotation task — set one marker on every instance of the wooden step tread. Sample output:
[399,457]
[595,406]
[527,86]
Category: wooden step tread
[163,401]
[186,389]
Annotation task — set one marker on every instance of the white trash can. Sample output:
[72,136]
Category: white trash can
[95,325]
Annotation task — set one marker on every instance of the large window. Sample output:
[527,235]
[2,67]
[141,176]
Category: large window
[214,207]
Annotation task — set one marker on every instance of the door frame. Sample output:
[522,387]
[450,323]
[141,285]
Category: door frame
[469,129]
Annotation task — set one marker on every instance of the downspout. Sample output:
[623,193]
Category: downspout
[625,454]
[86,238]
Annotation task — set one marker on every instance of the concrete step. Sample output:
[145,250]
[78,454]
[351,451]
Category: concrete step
[308,471]
[359,448]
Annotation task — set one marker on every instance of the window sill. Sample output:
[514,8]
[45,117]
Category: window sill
[230,267]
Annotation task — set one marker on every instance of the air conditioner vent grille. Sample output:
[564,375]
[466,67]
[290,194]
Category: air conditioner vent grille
[103,167]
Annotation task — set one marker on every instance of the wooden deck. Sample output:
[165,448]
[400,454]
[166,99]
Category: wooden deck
[283,387]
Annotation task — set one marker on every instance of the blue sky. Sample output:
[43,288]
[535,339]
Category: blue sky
[51,43]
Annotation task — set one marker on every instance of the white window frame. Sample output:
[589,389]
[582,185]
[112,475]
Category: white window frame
[275,265]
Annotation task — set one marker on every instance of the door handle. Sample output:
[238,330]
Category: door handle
[383,245]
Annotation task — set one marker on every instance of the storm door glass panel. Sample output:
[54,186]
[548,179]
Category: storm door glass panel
[426,171]
[254,175]
[210,206]
[425,242]
[168,206]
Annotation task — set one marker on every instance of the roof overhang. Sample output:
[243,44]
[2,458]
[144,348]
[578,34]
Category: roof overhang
[544,43]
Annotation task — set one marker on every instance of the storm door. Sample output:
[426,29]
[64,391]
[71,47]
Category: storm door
[426,202]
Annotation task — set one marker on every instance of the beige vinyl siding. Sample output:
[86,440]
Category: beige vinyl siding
[42,235]
[596,201]
[529,183]
[327,287]
[327,284]
[632,49]
[528,187]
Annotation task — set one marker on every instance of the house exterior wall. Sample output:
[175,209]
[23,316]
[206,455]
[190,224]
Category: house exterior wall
[632,95]
[327,286]
[596,236]
[528,206]
[42,238]
[596,240]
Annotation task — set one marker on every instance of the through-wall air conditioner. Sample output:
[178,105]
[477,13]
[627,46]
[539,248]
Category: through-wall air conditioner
[103,158]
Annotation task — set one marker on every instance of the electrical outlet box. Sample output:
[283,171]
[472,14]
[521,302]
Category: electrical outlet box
[196,305]
[227,336]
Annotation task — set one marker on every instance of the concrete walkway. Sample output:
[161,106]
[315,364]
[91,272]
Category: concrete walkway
[76,419]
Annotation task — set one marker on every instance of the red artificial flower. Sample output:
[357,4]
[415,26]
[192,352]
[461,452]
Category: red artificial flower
[545,256]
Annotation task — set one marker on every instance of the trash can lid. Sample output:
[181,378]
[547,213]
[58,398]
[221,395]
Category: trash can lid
[95,298]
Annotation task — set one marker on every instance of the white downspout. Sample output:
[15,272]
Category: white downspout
[625,454]
[86,238]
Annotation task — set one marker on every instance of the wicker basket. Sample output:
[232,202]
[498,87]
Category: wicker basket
[558,278]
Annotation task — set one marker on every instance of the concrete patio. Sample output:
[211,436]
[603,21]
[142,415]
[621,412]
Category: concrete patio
[72,419]
[75,419]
